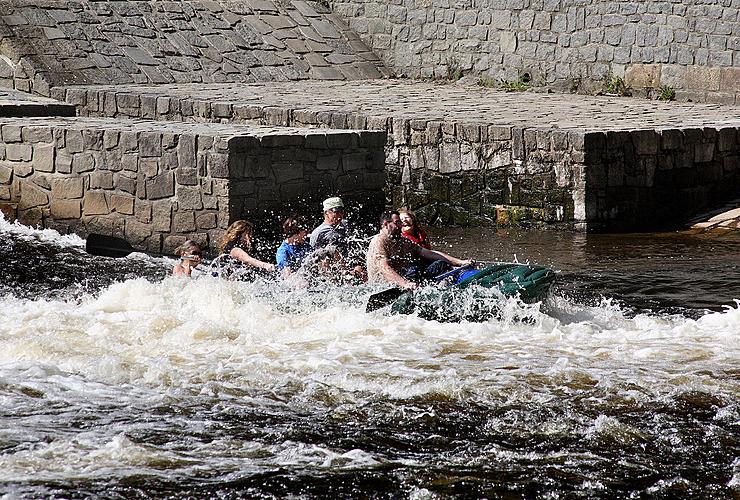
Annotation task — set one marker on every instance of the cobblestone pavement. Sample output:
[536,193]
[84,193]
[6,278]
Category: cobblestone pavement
[459,103]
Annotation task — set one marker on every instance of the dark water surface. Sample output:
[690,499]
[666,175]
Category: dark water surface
[117,381]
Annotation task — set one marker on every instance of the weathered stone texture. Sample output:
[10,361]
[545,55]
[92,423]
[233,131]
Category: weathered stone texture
[464,155]
[692,46]
[259,170]
[197,42]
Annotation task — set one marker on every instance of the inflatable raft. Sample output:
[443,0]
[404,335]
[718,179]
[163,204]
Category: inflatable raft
[475,293]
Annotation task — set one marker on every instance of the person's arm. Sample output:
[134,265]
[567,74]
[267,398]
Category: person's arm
[244,257]
[437,255]
[283,261]
[391,275]
[379,255]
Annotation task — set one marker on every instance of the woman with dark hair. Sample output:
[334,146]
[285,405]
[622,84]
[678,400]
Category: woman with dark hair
[411,230]
[237,243]
[291,253]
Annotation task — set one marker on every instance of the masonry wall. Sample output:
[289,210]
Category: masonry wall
[651,179]
[48,43]
[572,45]
[450,173]
[159,184]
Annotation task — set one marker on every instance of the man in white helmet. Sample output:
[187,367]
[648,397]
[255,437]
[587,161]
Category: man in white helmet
[333,231]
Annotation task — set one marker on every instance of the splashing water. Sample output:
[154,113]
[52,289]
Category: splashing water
[141,384]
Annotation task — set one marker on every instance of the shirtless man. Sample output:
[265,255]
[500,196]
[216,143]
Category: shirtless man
[391,257]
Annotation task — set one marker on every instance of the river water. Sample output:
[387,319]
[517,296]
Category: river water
[118,381]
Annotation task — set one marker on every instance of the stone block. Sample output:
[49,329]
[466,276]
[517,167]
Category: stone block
[130,162]
[150,144]
[125,183]
[129,142]
[642,75]
[702,78]
[110,139]
[6,174]
[162,215]
[11,133]
[143,211]
[704,152]
[206,221]
[161,186]
[186,176]
[66,209]
[189,198]
[450,159]
[646,142]
[82,162]
[729,80]
[101,180]
[67,188]
[31,196]
[218,165]
[727,139]
[18,152]
[73,141]
[137,232]
[95,203]
[183,222]
[149,166]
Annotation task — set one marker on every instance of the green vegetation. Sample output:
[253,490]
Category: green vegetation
[454,72]
[666,93]
[614,85]
[519,85]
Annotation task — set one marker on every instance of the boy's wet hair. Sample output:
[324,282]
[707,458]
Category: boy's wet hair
[188,247]
[294,225]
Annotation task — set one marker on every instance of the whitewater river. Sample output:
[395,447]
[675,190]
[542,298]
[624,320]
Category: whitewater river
[117,381]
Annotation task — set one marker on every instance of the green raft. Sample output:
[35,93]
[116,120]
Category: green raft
[476,294]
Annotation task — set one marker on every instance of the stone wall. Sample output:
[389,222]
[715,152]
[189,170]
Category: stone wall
[449,172]
[157,184]
[47,43]
[648,179]
[692,46]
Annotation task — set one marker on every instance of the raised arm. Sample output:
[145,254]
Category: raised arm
[437,255]
[242,256]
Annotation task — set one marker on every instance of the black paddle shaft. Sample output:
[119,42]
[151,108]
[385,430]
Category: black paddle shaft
[384,298]
[107,246]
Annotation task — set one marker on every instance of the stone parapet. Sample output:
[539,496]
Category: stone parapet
[158,183]
[466,155]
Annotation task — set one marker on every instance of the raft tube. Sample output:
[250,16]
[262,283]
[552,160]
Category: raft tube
[530,283]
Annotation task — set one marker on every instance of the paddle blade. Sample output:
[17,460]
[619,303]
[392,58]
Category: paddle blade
[107,246]
[384,298]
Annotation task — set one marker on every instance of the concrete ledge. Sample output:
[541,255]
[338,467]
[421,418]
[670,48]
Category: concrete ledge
[16,104]
[470,155]
[158,183]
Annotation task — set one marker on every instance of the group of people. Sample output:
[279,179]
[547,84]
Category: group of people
[399,254]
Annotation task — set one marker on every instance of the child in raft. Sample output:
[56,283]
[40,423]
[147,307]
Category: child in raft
[190,254]
[411,230]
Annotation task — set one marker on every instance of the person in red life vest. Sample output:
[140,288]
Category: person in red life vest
[411,230]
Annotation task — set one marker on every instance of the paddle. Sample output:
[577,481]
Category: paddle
[382,299]
[107,246]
